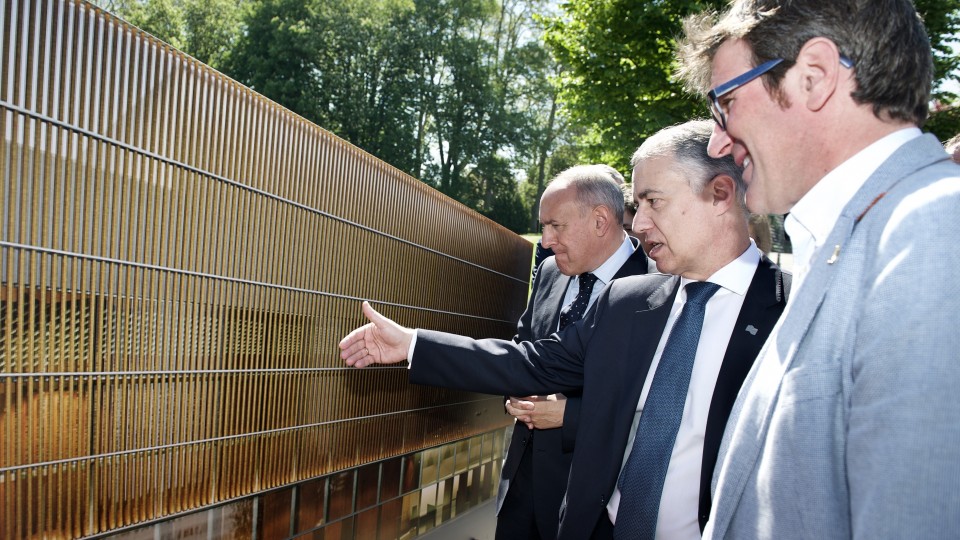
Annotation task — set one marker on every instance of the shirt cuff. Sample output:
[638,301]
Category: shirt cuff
[413,343]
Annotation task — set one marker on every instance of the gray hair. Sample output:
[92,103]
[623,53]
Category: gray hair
[687,144]
[595,185]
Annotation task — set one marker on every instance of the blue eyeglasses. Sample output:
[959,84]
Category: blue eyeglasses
[713,96]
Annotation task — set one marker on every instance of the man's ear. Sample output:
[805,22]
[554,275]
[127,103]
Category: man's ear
[602,217]
[722,191]
[819,69]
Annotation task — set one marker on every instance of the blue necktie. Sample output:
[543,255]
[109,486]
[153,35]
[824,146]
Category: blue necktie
[578,307]
[641,482]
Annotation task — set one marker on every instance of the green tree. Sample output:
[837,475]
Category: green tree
[212,28]
[205,29]
[617,58]
[276,56]
[363,76]
[942,20]
[160,18]
[482,91]
[503,201]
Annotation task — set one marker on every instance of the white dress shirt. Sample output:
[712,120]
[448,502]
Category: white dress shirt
[604,274]
[810,220]
[680,500]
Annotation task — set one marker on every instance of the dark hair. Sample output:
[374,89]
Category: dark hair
[628,203]
[886,40]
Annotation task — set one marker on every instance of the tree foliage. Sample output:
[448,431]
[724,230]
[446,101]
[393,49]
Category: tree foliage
[942,20]
[618,57]
[205,29]
[450,91]
[275,56]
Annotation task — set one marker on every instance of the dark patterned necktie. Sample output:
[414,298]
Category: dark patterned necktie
[578,307]
[641,483]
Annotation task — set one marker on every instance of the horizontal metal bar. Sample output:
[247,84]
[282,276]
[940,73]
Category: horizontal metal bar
[96,258]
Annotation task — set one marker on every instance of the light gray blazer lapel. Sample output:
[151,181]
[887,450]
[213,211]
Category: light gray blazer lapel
[752,412]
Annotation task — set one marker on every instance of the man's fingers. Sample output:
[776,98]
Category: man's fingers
[381,341]
[352,344]
[355,348]
[357,356]
[519,414]
[521,404]
[352,338]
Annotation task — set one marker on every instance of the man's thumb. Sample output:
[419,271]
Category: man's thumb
[372,315]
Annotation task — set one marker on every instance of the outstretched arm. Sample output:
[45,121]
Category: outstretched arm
[381,341]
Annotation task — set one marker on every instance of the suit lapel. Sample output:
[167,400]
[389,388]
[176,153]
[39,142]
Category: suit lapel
[755,406]
[636,264]
[761,309]
[551,299]
[555,287]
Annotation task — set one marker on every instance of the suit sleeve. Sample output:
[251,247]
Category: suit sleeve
[525,324]
[496,366]
[539,256]
[571,422]
[903,433]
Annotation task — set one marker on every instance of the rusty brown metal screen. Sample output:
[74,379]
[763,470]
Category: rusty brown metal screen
[178,258]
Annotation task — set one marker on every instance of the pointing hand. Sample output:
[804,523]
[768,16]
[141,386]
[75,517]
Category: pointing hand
[381,341]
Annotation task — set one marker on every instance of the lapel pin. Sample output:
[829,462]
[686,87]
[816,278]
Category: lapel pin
[752,329]
[836,255]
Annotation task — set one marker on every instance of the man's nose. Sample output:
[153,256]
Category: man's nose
[720,143]
[548,239]
[640,221]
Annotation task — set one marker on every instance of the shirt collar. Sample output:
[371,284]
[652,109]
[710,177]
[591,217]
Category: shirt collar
[612,265]
[815,214]
[737,275]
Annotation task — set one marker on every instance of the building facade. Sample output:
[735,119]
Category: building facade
[178,258]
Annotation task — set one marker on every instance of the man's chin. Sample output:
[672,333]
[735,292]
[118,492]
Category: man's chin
[663,266]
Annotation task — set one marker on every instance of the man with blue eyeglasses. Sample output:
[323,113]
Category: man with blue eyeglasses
[846,426]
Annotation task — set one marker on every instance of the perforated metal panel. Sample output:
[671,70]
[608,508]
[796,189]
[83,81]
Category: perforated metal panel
[178,258]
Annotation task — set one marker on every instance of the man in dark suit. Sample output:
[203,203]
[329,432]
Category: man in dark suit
[692,221]
[542,252]
[581,211]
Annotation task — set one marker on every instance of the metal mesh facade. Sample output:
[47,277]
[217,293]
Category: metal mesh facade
[178,258]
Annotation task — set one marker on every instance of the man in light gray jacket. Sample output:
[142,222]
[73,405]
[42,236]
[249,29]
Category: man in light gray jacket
[847,425]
